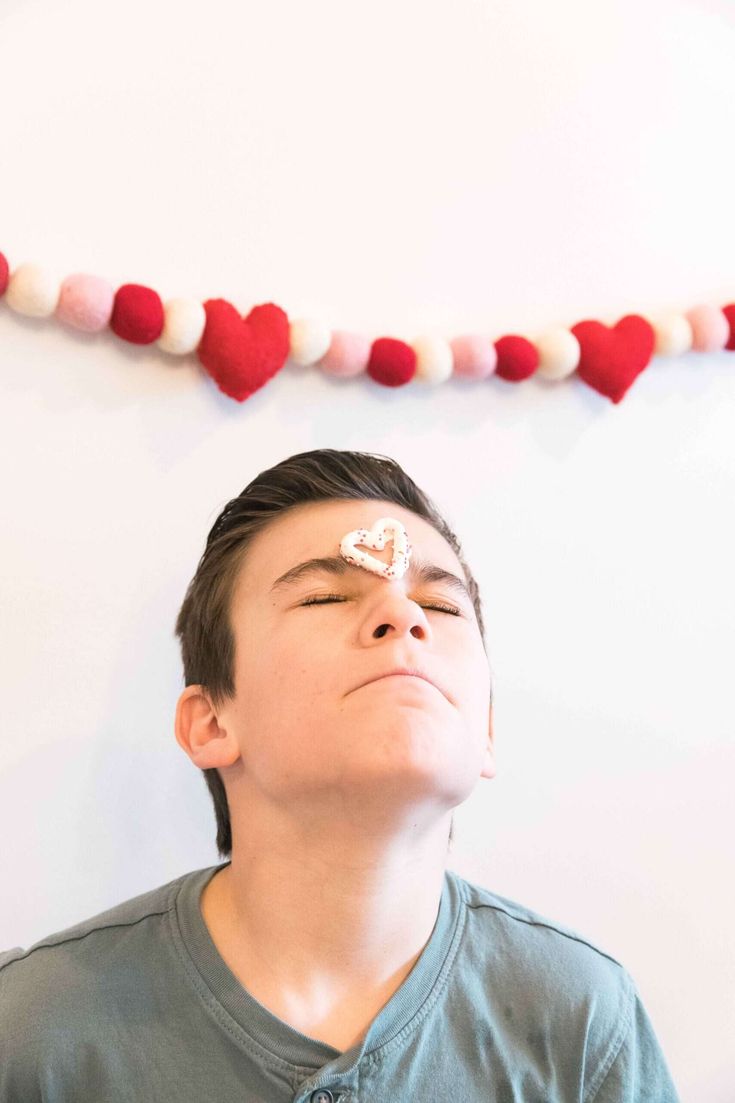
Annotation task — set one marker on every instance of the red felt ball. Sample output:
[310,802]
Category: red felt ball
[137,314]
[517,358]
[4,274]
[392,362]
[729,312]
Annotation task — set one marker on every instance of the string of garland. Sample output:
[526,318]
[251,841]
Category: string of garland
[242,353]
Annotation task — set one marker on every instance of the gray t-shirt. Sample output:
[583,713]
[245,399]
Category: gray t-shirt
[502,1006]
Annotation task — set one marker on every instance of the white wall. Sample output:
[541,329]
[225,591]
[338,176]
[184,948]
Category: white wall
[401,169]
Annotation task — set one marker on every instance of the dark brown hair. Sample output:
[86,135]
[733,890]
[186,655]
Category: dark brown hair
[203,623]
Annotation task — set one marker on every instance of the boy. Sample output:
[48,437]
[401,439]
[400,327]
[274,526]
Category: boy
[338,700]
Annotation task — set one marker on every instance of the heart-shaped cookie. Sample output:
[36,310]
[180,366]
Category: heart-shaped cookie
[611,358]
[385,529]
[241,354]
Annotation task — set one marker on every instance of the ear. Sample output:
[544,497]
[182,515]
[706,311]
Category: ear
[198,731]
[488,763]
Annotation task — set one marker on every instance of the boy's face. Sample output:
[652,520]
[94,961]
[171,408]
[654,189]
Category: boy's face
[311,732]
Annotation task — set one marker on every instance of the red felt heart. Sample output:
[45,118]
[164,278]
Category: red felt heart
[611,358]
[241,354]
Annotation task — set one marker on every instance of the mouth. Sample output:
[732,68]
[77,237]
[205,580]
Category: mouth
[416,678]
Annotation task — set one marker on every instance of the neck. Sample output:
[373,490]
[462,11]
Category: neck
[325,928]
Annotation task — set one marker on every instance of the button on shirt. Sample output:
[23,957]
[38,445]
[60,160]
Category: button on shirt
[502,1005]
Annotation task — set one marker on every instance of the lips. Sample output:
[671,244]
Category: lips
[416,674]
[416,677]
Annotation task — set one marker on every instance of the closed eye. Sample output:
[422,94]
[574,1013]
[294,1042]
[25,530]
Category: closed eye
[438,605]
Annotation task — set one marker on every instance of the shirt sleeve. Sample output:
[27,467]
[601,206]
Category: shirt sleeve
[638,1073]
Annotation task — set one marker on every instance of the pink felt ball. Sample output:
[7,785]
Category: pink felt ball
[729,312]
[85,302]
[710,328]
[392,362]
[137,314]
[474,357]
[517,358]
[4,274]
[347,355]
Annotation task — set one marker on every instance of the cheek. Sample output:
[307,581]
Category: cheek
[284,668]
[475,687]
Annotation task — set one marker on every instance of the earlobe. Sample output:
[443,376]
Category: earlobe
[489,768]
[199,733]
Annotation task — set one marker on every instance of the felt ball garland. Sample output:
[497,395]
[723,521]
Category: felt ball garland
[347,355]
[183,325]
[391,362]
[517,358]
[242,353]
[673,335]
[474,357]
[611,358]
[85,302]
[558,353]
[137,314]
[310,341]
[710,329]
[32,291]
[433,359]
[729,312]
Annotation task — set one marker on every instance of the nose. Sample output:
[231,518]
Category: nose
[393,611]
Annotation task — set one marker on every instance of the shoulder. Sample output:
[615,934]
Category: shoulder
[549,991]
[45,984]
[524,950]
[522,928]
[59,944]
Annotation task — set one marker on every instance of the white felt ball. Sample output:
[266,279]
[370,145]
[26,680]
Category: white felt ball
[33,290]
[558,354]
[434,359]
[673,335]
[183,326]
[309,341]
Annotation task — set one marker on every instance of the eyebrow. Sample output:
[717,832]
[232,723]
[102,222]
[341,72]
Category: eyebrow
[418,571]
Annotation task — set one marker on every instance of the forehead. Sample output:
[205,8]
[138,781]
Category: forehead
[316,529]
